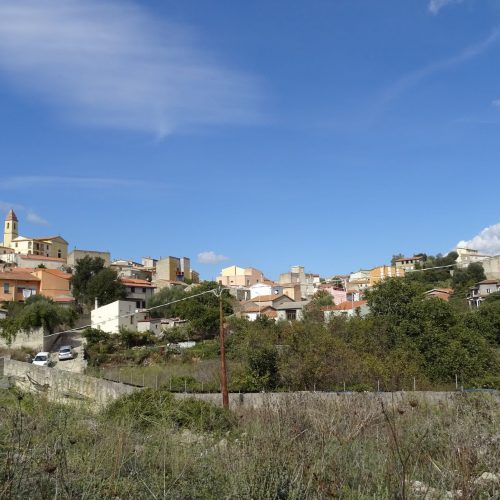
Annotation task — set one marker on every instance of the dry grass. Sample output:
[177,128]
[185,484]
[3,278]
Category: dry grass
[349,447]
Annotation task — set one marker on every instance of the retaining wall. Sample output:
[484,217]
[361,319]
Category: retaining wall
[62,385]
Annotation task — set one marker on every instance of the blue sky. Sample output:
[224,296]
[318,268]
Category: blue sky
[331,134]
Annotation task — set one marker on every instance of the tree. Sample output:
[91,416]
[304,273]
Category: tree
[85,269]
[105,286]
[37,312]
[395,258]
[202,311]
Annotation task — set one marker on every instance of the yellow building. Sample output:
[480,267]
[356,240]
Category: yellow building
[48,246]
[380,273]
[240,276]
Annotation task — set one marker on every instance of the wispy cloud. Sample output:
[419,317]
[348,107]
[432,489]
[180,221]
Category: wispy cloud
[436,5]
[496,103]
[30,181]
[210,257]
[487,241]
[31,216]
[110,63]
[415,77]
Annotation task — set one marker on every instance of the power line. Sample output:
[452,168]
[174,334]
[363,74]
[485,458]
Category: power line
[215,291]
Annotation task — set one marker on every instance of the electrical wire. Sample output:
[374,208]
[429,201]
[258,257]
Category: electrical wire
[216,291]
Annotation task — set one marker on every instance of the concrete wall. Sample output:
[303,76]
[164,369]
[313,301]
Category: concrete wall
[35,340]
[492,268]
[61,385]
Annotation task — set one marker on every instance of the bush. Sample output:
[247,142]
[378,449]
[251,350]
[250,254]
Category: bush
[149,407]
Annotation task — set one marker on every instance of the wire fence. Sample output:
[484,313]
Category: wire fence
[188,384]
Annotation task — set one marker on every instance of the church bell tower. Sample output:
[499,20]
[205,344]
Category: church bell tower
[11,229]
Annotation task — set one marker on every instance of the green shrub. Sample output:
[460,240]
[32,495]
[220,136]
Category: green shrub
[148,407]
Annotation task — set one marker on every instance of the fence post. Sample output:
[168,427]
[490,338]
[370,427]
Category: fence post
[378,385]
[414,384]
[456,381]
[344,385]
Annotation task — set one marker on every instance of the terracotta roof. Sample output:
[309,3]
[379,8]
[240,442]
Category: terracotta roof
[267,298]
[488,282]
[30,256]
[63,299]
[345,306]
[17,276]
[23,269]
[258,309]
[136,282]
[11,215]
[59,274]
[440,290]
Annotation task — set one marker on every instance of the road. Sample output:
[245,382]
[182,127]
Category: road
[75,365]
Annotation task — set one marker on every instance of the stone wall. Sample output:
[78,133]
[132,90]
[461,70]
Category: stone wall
[61,385]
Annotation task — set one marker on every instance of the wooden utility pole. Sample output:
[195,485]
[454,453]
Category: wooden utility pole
[223,371]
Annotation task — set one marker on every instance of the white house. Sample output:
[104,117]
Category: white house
[152,325]
[119,314]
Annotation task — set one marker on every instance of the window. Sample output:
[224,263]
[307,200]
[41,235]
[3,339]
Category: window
[143,290]
[59,254]
[132,290]
[7,225]
[6,288]
[291,315]
[138,304]
[29,244]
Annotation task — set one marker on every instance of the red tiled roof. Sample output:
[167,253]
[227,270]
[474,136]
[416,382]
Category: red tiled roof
[488,282]
[267,298]
[63,299]
[17,276]
[346,306]
[136,282]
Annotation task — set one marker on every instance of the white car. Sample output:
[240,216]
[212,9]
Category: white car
[41,359]
[65,352]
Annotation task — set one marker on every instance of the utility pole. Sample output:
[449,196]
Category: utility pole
[223,371]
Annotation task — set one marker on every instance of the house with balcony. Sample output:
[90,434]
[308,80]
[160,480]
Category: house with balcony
[478,293]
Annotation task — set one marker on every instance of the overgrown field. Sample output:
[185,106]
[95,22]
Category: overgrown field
[149,445]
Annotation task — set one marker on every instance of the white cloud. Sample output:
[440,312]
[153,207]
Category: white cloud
[110,63]
[30,181]
[31,216]
[496,103]
[210,257]
[487,241]
[415,77]
[436,5]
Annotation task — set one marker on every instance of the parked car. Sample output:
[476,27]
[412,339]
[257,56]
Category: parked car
[65,352]
[41,359]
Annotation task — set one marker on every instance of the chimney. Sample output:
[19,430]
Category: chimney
[96,303]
